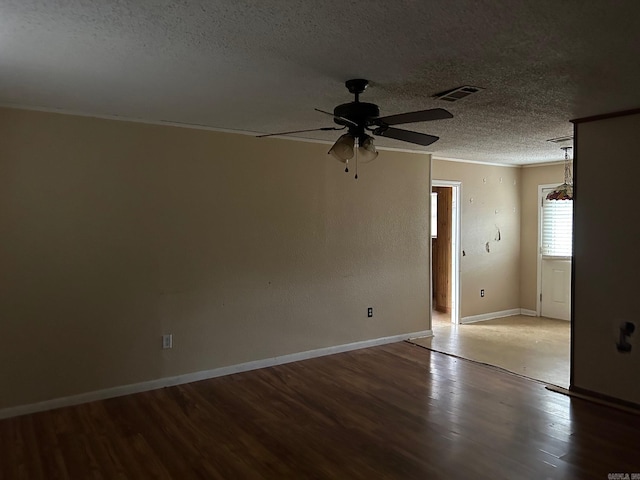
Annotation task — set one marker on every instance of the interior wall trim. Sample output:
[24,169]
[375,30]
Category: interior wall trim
[596,397]
[537,165]
[477,162]
[604,116]
[491,315]
[528,313]
[197,126]
[201,375]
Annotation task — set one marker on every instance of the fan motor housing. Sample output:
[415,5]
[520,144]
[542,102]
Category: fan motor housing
[358,112]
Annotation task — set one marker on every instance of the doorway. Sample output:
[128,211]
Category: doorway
[445,256]
[535,347]
[531,346]
[555,250]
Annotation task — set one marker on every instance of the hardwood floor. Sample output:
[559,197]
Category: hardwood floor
[393,411]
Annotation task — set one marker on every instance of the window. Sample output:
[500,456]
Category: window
[557,226]
[434,215]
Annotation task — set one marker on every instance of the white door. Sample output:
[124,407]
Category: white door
[556,250]
[556,289]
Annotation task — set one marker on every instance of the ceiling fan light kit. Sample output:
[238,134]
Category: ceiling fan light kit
[343,150]
[366,149]
[361,117]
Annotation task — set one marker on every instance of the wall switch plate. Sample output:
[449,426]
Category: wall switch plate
[370,312]
[482,292]
[167,341]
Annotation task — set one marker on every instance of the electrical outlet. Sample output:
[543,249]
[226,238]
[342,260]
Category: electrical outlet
[167,341]
[370,312]
[482,292]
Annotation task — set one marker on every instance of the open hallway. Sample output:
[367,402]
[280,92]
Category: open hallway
[535,347]
[393,411]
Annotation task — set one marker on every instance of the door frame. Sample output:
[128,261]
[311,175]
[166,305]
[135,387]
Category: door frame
[456,249]
[539,248]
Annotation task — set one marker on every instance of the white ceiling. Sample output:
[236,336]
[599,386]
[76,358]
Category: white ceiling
[263,65]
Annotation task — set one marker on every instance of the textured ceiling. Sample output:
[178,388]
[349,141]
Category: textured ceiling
[263,65]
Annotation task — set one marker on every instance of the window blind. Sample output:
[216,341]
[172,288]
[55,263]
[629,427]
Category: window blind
[557,227]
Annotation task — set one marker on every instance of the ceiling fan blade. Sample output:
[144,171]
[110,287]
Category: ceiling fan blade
[412,117]
[406,136]
[300,131]
[346,120]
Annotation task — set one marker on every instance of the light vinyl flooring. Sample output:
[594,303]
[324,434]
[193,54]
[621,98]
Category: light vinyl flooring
[535,347]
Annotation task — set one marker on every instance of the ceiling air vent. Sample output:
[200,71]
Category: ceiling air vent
[568,138]
[457,93]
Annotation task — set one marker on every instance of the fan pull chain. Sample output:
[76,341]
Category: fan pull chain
[346,168]
[357,157]
[568,177]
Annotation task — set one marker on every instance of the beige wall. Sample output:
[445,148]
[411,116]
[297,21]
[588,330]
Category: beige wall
[531,178]
[114,233]
[606,256]
[490,202]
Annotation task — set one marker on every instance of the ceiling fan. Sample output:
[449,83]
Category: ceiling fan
[360,117]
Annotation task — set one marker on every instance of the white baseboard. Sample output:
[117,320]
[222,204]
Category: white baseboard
[504,313]
[491,315]
[423,334]
[202,375]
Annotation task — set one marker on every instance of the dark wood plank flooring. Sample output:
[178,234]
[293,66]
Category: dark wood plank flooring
[394,411]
